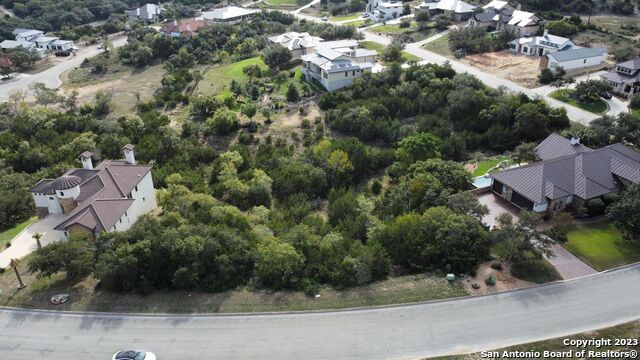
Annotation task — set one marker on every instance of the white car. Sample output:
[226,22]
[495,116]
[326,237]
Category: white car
[324,18]
[133,355]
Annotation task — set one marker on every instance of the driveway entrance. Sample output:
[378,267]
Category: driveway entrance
[24,243]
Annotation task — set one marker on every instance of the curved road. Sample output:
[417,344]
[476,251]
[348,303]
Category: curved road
[398,332]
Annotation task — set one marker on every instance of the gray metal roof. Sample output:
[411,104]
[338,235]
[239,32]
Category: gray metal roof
[555,146]
[631,64]
[587,174]
[575,54]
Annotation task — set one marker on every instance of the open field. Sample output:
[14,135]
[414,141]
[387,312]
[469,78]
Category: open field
[217,79]
[85,297]
[371,45]
[597,107]
[601,245]
[8,234]
[625,331]
[124,83]
[439,46]
[623,25]
[518,68]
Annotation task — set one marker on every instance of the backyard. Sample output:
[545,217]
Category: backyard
[486,164]
[371,45]
[413,30]
[8,234]
[217,79]
[565,95]
[601,245]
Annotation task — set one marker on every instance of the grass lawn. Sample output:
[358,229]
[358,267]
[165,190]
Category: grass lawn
[439,46]
[356,23]
[281,88]
[625,331]
[371,45]
[597,107]
[217,79]
[10,233]
[539,272]
[85,297]
[486,164]
[635,112]
[287,3]
[601,245]
[345,17]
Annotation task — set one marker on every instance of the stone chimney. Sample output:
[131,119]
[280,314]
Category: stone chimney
[128,154]
[85,157]
[575,140]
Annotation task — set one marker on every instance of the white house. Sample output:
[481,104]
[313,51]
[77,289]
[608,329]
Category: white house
[384,10]
[229,14]
[540,45]
[457,10]
[148,13]
[297,43]
[335,64]
[37,40]
[625,78]
[499,15]
[109,197]
[576,58]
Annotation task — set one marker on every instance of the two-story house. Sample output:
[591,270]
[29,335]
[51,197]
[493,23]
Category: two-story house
[501,16]
[147,13]
[297,43]
[384,10]
[109,197]
[625,78]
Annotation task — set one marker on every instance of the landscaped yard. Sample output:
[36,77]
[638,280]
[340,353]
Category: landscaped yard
[371,45]
[10,233]
[564,95]
[439,46]
[486,164]
[345,17]
[218,78]
[601,245]
[540,271]
[84,296]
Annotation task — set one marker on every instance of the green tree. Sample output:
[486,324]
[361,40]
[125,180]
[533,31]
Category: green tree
[249,110]
[276,56]
[393,51]
[418,147]
[73,256]
[561,28]
[279,265]
[589,89]
[292,93]
[625,214]
[522,241]
[422,18]
[526,153]
[466,203]
[223,122]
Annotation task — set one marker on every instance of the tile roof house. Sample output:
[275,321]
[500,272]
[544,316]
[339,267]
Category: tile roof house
[147,13]
[229,14]
[569,174]
[297,43]
[183,28]
[335,64]
[625,78]
[109,197]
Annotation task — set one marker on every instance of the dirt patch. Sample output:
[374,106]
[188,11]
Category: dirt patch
[504,280]
[521,69]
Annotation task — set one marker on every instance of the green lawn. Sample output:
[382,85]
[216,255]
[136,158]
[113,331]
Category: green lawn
[281,88]
[540,271]
[288,3]
[345,17]
[597,107]
[486,164]
[217,79]
[439,46]
[371,45]
[10,233]
[601,245]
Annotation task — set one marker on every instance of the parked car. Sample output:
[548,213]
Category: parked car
[133,355]
[63,53]
[605,95]
[365,15]
[324,18]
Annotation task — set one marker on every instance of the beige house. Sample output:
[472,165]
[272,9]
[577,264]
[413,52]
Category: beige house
[297,43]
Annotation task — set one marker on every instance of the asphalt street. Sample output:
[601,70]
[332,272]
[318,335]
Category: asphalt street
[400,332]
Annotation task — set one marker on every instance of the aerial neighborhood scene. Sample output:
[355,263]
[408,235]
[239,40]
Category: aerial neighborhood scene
[319,179]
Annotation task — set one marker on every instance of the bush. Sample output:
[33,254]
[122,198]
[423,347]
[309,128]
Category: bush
[496,265]
[376,187]
[635,102]
[595,207]
[490,280]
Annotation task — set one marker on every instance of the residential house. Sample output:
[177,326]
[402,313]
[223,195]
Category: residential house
[569,174]
[540,45]
[575,59]
[297,43]
[506,18]
[109,197]
[183,28]
[229,14]
[147,13]
[457,10]
[625,78]
[37,40]
[335,64]
[384,10]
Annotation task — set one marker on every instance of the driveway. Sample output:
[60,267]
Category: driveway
[497,206]
[414,331]
[24,243]
[568,265]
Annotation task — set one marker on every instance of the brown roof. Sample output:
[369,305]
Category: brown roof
[183,26]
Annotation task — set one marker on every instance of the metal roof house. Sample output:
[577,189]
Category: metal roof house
[109,197]
[335,64]
[625,78]
[576,58]
[458,10]
[147,13]
[297,43]
[229,14]
[568,174]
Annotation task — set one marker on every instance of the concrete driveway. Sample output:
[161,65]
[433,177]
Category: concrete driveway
[24,243]
[497,206]
[568,265]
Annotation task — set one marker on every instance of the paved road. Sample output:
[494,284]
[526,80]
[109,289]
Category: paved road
[51,76]
[400,332]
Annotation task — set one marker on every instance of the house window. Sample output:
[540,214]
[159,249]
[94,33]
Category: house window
[143,198]
[61,193]
[135,188]
[585,61]
[525,49]
[120,220]
[346,73]
[50,197]
[125,214]
[354,73]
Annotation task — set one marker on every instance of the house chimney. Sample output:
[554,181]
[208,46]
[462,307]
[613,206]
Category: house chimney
[128,154]
[546,33]
[175,22]
[85,157]
[575,140]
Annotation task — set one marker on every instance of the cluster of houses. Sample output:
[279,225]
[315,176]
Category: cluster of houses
[568,174]
[38,41]
[333,64]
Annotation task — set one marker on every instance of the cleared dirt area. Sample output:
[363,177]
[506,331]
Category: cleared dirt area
[521,69]
[504,280]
